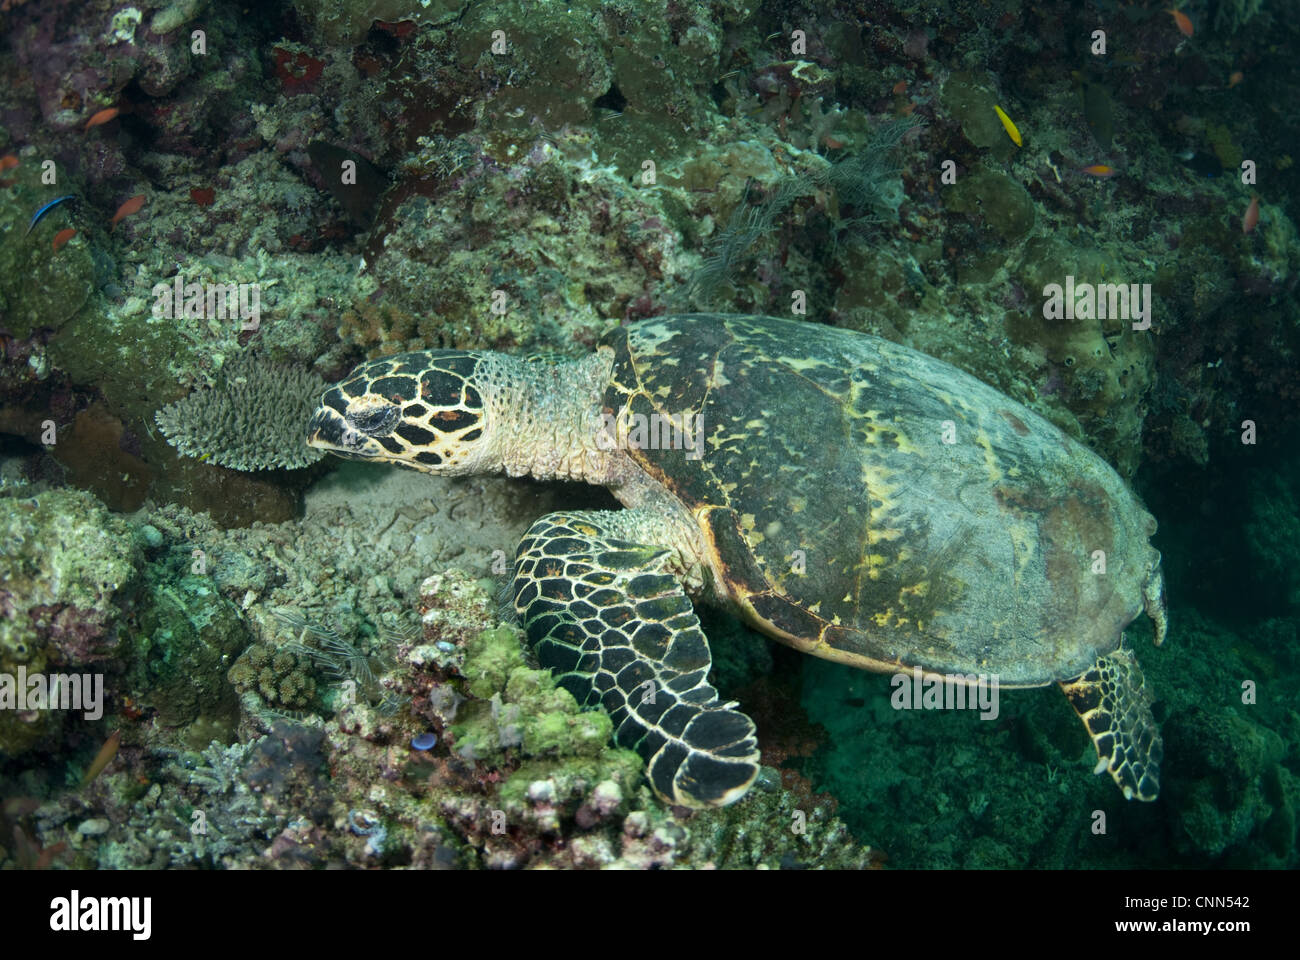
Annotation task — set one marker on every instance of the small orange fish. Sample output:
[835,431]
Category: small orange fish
[8,162]
[125,210]
[1099,170]
[900,87]
[1183,21]
[1250,219]
[1235,78]
[62,237]
[102,117]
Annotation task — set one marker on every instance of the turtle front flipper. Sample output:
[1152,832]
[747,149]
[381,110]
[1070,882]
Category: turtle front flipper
[617,629]
[1112,701]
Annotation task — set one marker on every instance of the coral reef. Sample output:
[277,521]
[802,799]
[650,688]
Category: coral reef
[67,566]
[528,175]
[255,418]
[66,563]
[1273,528]
[519,766]
[281,678]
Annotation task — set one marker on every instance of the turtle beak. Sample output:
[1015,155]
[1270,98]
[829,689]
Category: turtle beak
[325,429]
[329,430]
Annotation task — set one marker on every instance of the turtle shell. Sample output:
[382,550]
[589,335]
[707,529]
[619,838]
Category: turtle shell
[870,504]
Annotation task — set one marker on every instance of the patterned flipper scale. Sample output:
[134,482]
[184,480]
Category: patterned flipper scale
[618,631]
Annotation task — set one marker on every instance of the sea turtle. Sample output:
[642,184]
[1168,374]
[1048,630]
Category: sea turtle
[853,498]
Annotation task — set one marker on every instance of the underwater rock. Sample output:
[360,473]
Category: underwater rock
[523,778]
[96,450]
[1096,372]
[67,566]
[567,242]
[347,22]
[999,202]
[1229,795]
[186,635]
[39,290]
[1273,528]
[970,98]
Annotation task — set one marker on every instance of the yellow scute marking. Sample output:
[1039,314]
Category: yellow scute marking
[990,459]
[803,363]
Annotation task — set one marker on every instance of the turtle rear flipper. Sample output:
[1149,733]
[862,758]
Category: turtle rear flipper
[617,630]
[1112,701]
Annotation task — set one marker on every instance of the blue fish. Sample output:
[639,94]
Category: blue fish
[39,214]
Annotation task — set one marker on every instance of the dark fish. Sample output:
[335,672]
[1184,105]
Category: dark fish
[357,199]
[39,214]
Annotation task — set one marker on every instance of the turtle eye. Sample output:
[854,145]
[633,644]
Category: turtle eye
[375,419]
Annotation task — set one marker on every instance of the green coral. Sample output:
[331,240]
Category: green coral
[517,707]
[1225,148]
[281,679]
[255,418]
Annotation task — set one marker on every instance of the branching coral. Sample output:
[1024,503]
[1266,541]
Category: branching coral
[255,418]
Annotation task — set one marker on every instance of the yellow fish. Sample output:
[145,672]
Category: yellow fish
[1010,127]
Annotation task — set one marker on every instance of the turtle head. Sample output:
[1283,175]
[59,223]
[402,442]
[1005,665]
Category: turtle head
[422,410]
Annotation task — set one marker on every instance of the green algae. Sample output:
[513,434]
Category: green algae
[517,707]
